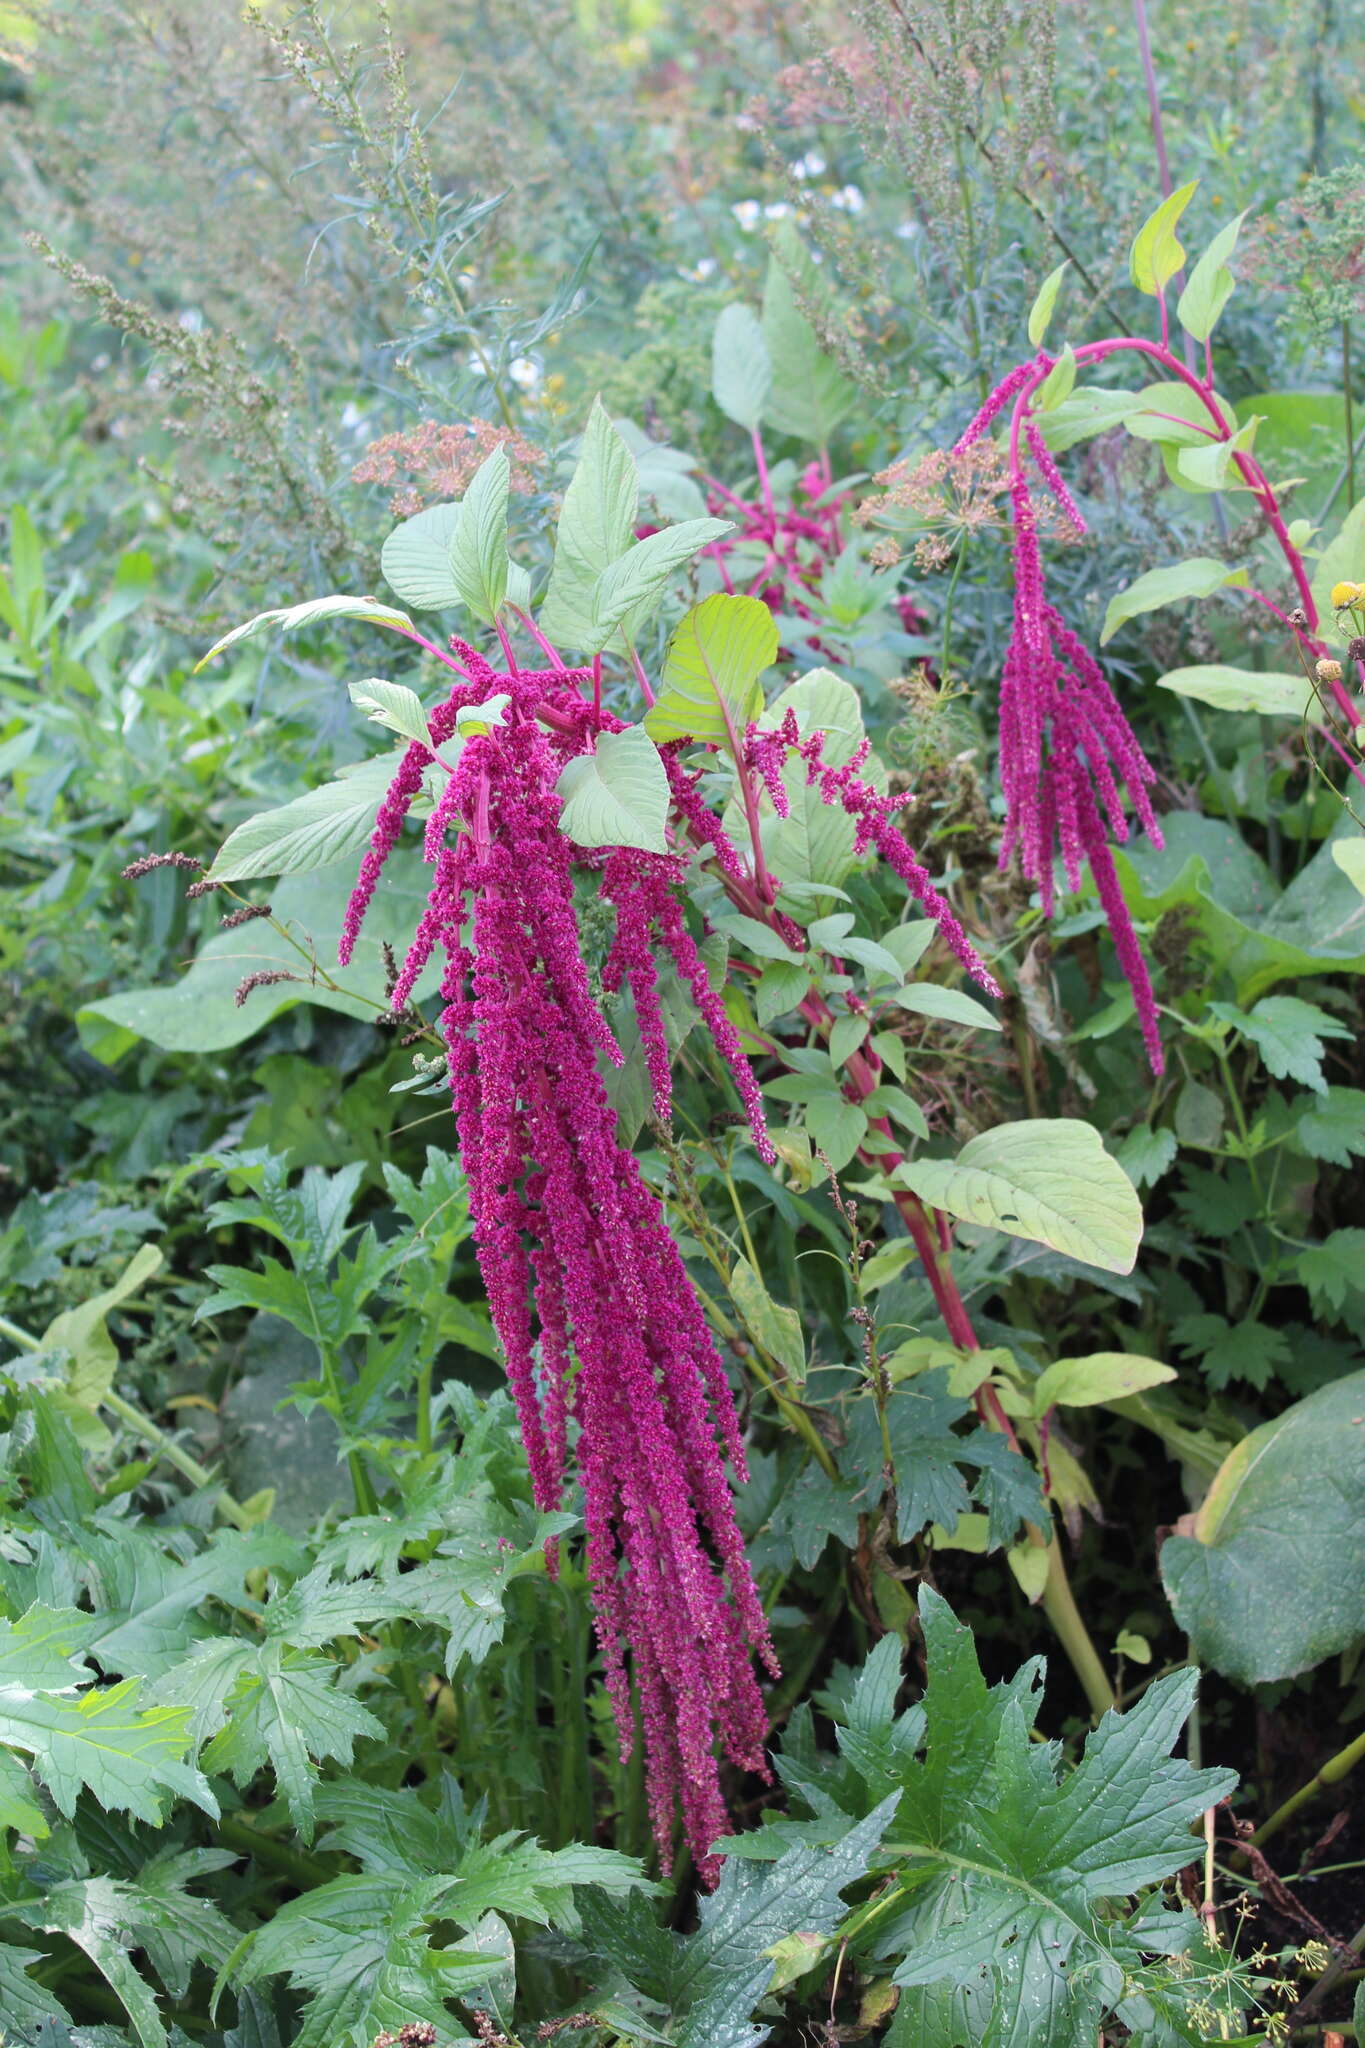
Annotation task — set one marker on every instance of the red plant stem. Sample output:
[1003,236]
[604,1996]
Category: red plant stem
[764,483]
[505,641]
[556,659]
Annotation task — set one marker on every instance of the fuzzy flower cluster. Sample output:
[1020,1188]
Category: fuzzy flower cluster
[439,461]
[1070,763]
[598,1320]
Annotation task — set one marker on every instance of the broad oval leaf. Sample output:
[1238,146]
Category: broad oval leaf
[1059,382]
[322,826]
[1176,416]
[415,559]
[1156,254]
[1275,693]
[1199,577]
[1349,855]
[710,688]
[392,705]
[810,394]
[478,543]
[1048,1179]
[293,617]
[1103,1376]
[1089,410]
[1286,1508]
[741,367]
[617,795]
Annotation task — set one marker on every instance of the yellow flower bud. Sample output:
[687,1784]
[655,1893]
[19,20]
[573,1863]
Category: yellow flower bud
[1344,594]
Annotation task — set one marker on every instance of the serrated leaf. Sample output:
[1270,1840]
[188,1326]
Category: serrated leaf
[314,831]
[710,686]
[82,1334]
[415,559]
[1146,1154]
[596,527]
[617,795]
[130,1760]
[1210,284]
[1012,1876]
[1334,1129]
[1288,1034]
[1334,1270]
[1156,254]
[1198,577]
[478,544]
[293,618]
[1286,1509]
[741,367]
[1050,1180]
[392,705]
[1102,1376]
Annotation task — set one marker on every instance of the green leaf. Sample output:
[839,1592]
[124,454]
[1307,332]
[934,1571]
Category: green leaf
[314,830]
[1040,313]
[1012,1877]
[392,705]
[1349,855]
[1272,692]
[1089,410]
[1059,382]
[415,559]
[1288,1034]
[629,591]
[82,1333]
[1199,577]
[478,544]
[1176,416]
[710,687]
[741,367]
[1103,1376]
[1209,466]
[813,845]
[1334,1128]
[1156,254]
[781,987]
[1333,1271]
[617,795]
[1210,283]
[128,1759]
[293,618]
[23,1999]
[1146,1154]
[1287,1510]
[810,396]
[596,527]
[950,1005]
[1050,1180]
[709,1983]
[1341,561]
[771,1324]
[837,1128]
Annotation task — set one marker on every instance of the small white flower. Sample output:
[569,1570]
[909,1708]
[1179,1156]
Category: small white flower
[848,199]
[906,230]
[191,319]
[747,212]
[811,165]
[525,373]
[777,211]
[351,416]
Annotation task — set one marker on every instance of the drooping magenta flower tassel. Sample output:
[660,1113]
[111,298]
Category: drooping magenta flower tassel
[1070,764]
[597,1317]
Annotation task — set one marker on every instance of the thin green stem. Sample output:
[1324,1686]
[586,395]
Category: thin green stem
[1331,1773]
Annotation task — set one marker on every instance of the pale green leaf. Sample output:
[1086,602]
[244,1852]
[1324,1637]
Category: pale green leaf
[710,687]
[1102,1376]
[1040,313]
[392,705]
[741,367]
[773,1325]
[478,544]
[1059,382]
[1349,855]
[810,395]
[1210,283]
[1048,1179]
[617,795]
[315,830]
[293,618]
[130,1760]
[1198,577]
[596,527]
[1341,561]
[1156,254]
[949,1005]
[1274,693]
[415,559]
[629,591]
